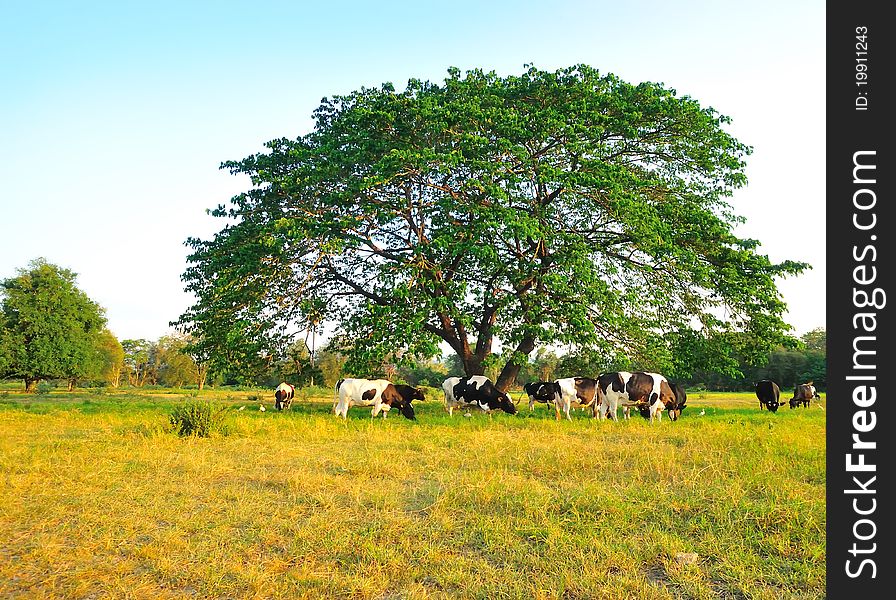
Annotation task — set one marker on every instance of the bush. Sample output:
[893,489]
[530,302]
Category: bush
[196,418]
[43,388]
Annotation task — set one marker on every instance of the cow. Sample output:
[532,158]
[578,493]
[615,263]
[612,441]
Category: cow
[539,391]
[582,391]
[475,391]
[283,396]
[673,408]
[680,398]
[769,394]
[381,394]
[649,392]
[802,394]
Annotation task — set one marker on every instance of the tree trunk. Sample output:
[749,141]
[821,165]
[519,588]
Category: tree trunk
[510,370]
[202,372]
[472,366]
[71,385]
[30,384]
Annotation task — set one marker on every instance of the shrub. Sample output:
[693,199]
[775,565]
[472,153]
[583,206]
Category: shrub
[43,388]
[196,418]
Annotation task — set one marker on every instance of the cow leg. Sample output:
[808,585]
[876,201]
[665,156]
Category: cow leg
[531,403]
[610,410]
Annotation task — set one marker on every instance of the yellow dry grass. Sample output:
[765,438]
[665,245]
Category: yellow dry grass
[101,501]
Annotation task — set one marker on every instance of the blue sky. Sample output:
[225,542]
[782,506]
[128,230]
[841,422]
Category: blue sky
[114,117]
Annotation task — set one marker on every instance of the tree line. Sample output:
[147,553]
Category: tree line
[50,330]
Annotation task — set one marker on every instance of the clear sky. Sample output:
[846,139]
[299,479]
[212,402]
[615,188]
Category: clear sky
[115,116]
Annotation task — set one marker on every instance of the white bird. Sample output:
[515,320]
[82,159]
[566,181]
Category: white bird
[702,412]
[261,407]
[242,408]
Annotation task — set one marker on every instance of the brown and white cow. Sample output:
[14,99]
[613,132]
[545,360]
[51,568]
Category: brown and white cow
[769,394]
[680,398]
[283,396]
[381,394]
[803,394]
[578,391]
[648,391]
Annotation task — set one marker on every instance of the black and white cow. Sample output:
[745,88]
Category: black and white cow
[769,395]
[803,394]
[381,394]
[475,391]
[539,391]
[581,391]
[283,396]
[649,392]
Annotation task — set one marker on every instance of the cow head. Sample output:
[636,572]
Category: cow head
[506,404]
[407,410]
[773,405]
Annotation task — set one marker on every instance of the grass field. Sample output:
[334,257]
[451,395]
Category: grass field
[101,500]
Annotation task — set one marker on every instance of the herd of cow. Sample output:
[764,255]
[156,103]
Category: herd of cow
[769,395]
[649,393]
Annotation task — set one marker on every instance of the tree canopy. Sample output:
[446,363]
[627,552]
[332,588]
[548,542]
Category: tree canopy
[48,327]
[566,207]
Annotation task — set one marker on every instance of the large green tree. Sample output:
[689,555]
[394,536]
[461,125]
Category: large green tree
[564,207]
[49,329]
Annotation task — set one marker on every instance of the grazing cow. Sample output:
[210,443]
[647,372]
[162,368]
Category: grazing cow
[677,406]
[283,396]
[539,391]
[583,391]
[673,408]
[802,394]
[475,391]
[381,394]
[769,394]
[649,392]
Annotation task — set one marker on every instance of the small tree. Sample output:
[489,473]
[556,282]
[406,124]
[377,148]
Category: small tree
[141,361]
[111,358]
[48,327]
[330,364]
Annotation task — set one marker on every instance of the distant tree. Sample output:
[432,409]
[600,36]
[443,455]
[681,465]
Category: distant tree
[424,372]
[815,368]
[585,362]
[111,358]
[140,361]
[545,364]
[331,364]
[816,340]
[545,208]
[48,327]
[176,368]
